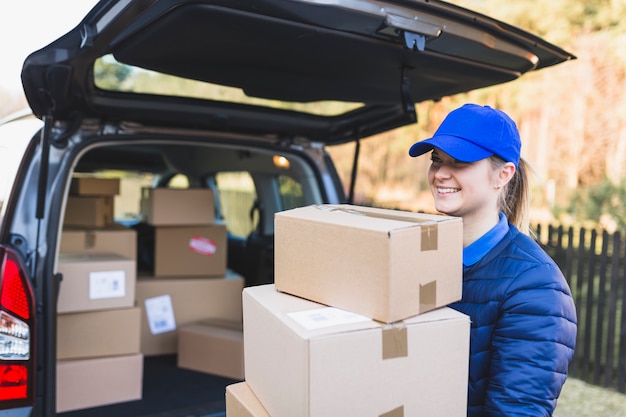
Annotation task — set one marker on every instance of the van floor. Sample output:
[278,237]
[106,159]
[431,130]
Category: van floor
[169,391]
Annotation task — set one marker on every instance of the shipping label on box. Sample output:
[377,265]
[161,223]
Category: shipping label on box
[89,186]
[89,211]
[191,299]
[160,314]
[241,402]
[95,282]
[115,239]
[100,333]
[199,250]
[385,264]
[351,365]
[177,206]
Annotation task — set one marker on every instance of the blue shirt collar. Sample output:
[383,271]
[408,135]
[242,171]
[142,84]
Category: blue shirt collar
[479,248]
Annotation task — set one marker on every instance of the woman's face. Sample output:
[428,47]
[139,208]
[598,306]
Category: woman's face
[463,189]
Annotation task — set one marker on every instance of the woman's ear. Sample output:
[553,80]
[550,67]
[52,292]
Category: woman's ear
[506,172]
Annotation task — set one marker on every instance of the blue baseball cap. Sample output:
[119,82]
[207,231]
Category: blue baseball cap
[473,132]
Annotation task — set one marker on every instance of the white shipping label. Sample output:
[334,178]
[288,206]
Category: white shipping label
[319,318]
[160,314]
[107,284]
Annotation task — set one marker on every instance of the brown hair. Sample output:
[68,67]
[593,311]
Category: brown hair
[514,200]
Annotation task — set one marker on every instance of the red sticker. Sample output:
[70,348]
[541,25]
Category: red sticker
[202,245]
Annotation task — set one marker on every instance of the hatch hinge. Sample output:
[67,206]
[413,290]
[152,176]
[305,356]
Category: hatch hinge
[86,36]
[414,41]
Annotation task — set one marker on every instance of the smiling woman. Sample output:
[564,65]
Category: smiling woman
[524,323]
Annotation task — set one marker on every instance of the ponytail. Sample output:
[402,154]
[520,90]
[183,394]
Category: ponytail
[514,199]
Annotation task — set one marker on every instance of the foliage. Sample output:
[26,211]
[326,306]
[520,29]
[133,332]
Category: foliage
[601,204]
[572,117]
[109,74]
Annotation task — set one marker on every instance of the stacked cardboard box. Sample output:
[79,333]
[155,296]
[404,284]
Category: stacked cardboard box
[91,202]
[357,323]
[192,302]
[98,356]
[241,402]
[173,304]
[213,346]
[109,318]
[187,239]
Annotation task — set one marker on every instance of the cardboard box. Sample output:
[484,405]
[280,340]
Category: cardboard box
[115,239]
[95,282]
[89,211]
[309,360]
[190,250]
[192,300]
[98,333]
[385,264]
[89,186]
[86,383]
[177,206]
[241,402]
[213,346]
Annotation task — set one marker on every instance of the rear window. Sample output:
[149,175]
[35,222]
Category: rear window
[112,75]
[237,200]
[290,191]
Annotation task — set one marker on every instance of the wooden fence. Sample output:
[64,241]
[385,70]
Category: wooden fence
[593,262]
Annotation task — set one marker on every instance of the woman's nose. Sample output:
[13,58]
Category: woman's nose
[441,171]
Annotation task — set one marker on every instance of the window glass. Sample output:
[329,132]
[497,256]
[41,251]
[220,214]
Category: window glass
[178,181]
[290,192]
[237,196]
[111,75]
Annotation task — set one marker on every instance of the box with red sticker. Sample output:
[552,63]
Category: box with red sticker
[195,250]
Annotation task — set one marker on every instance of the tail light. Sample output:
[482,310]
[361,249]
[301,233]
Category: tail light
[16,333]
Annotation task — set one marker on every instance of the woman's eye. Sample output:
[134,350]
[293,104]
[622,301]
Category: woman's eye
[435,160]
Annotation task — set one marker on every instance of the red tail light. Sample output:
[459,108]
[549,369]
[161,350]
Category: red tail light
[14,296]
[14,382]
[16,338]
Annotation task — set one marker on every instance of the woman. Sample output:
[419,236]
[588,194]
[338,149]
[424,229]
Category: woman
[523,317]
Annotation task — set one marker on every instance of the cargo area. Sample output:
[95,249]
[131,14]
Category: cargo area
[149,318]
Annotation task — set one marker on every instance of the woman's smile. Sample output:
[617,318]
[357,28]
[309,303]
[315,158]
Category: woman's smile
[447,190]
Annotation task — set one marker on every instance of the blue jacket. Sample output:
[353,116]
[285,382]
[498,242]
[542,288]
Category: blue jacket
[523,330]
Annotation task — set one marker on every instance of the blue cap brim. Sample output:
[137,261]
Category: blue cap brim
[458,148]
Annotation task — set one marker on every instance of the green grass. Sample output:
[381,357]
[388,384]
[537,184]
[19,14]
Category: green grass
[580,399]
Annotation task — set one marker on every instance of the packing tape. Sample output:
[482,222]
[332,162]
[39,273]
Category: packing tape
[90,240]
[395,340]
[428,296]
[396,412]
[430,230]
[372,214]
[429,237]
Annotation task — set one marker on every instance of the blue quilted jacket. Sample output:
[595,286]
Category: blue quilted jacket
[523,330]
